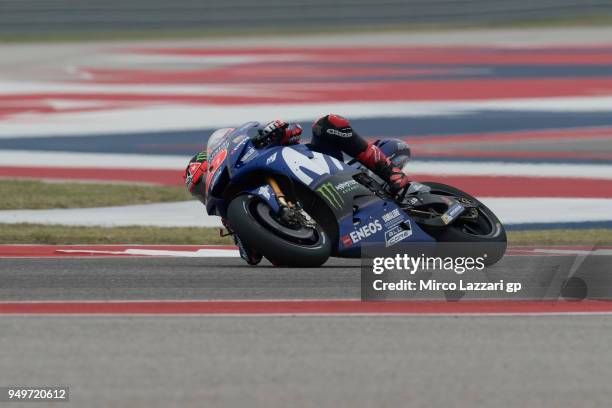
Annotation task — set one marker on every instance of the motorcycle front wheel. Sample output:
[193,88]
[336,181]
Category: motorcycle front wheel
[259,228]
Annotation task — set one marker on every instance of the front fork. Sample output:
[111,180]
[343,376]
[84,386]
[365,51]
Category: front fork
[280,196]
[272,194]
[291,214]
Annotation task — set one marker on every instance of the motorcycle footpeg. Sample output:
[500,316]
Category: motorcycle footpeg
[225,232]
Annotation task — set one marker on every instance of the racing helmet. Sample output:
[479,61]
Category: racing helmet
[194,176]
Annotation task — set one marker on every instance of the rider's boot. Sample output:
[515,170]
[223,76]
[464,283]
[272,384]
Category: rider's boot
[374,159]
[250,255]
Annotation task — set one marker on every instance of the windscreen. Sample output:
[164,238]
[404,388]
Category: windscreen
[217,138]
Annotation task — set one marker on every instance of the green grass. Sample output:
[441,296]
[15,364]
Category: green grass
[20,194]
[25,194]
[600,236]
[56,234]
[593,20]
[66,235]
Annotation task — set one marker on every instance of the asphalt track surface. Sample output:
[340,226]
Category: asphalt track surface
[54,279]
[313,361]
[267,360]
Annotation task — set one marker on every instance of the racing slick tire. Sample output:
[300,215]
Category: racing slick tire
[488,230]
[256,226]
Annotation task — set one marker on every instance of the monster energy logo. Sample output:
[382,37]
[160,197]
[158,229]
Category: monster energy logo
[202,156]
[333,197]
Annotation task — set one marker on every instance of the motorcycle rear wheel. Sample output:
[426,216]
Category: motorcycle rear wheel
[487,229]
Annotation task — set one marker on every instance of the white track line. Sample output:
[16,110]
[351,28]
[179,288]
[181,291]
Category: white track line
[180,214]
[549,210]
[200,253]
[467,168]
[39,158]
[183,116]
[193,214]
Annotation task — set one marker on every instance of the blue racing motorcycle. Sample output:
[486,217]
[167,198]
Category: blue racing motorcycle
[298,206]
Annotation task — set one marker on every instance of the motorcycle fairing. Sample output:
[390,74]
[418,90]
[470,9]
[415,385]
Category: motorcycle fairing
[342,193]
[298,162]
[267,195]
[382,222]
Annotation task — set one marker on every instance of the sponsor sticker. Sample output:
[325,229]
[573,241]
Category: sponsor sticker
[298,162]
[346,241]
[214,167]
[264,191]
[397,234]
[271,159]
[239,143]
[216,176]
[222,147]
[248,155]
[365,231]
[346,186]
[455,209]
[331,195]
[413,201]
[452,212]
[392,217]
[239,139]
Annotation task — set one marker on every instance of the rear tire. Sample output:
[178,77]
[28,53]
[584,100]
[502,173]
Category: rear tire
[243,217]
[457,233]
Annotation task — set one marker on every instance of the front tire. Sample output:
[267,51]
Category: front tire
[278,244]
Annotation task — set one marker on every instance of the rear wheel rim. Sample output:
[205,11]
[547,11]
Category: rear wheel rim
[483,226]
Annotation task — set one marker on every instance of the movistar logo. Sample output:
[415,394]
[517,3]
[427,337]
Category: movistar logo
[333,197]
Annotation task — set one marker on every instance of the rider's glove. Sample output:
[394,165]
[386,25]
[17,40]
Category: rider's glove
[278,132]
